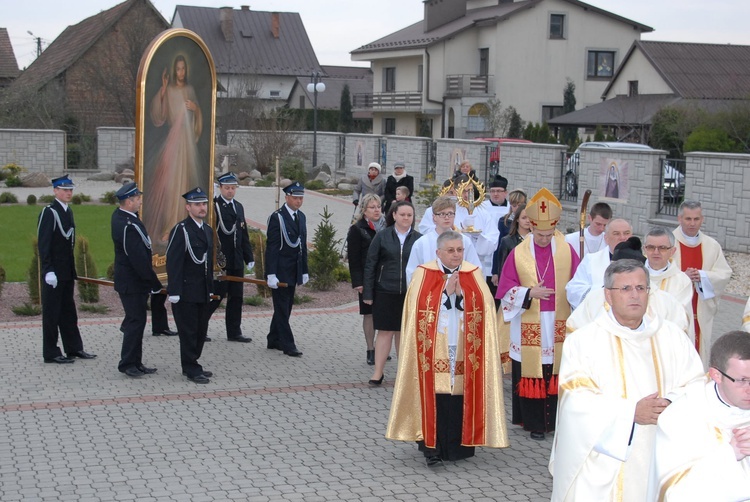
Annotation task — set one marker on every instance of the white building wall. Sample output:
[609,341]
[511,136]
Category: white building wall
[640,69]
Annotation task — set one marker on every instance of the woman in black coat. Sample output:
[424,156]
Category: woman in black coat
[399,178]
[358,240]
[385,281]
[520,228]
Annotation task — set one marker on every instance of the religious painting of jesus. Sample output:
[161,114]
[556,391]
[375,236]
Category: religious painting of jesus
[175,129]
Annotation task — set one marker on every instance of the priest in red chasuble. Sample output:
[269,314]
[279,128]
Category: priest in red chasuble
[531,319]
[448,395]
[702,259]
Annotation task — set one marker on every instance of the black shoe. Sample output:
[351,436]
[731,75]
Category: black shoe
[243,339]
[388,358]
[434,461]
[371,357]
[293,353]
[199,379]
[166,332]
[81,355]
[377,382]
[134,372]
[146,371]
[206,374]
[538,436]
[207,339]
[59,360]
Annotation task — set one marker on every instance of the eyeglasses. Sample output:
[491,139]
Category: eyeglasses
[743,382]
[662,249]
[445,215]
[627,289]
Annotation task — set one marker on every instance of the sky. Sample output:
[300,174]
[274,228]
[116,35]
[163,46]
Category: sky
[336,27]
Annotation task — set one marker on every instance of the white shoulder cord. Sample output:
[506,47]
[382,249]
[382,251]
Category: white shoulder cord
[284,235]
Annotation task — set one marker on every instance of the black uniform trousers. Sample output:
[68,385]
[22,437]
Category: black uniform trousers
[159,322]
[233,293]
[132,330]
[59,313]
[280,333]
[192,325]
[536,415]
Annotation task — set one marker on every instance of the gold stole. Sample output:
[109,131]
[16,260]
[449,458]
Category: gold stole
[434,367]
[532,381]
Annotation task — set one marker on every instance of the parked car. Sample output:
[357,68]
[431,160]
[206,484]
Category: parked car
[571,174]
[673,183]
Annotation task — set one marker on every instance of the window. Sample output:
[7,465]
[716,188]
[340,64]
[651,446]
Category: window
[389,126]
[302,102]
[557,26]
[476,120]
[390,80]
[632,88]
[484,62]
[251,92]
[550,112]
[275,94]
[600,64]
[420,78]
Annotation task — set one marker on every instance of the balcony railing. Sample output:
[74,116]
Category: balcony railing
[411,100]
[469,85]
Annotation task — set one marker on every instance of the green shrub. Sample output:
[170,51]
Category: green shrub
[33,281]
[46,199]
[706,139]
[263,182]
[255,300]
[342,273]
[85,266]
[324,259]
[27,309]
[13,181]
[96,309]
[80,198]
[300,299]
[8,198]
[315,185]
[427,195]
[109,198]
[31,200]
[294,169]
[111,272]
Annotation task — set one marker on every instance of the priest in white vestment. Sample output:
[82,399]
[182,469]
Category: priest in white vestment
[590,274]
[593,235]
[702,446]
[423,251]
[702,259]
[617,375]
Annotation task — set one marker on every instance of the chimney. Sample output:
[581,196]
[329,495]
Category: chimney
[227,23]
[245,7]
[275,24]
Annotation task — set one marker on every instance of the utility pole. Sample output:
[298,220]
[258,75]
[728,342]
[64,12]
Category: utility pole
[38,43]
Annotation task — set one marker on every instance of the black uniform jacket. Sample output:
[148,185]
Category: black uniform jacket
[55,250]
[235,246]
[281,258]
[133,270]
[191,281]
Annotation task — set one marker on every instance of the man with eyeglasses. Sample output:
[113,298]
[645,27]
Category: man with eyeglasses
[423,251]
[702,446]
[659,247]
[448,397]
[660,303]
[617,375]
[590,274]
[702,259]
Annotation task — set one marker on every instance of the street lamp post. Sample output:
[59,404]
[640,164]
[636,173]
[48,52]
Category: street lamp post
[315,86]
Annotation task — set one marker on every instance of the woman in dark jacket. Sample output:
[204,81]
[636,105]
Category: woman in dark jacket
[358,240]
[399,178]
[520,228]
[385,281]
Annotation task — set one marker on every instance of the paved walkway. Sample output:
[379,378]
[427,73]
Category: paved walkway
[267,427]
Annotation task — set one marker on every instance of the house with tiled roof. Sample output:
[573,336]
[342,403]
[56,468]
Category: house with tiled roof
[256,54]
[440,73]
[93,65]
[657,74]
[8,63]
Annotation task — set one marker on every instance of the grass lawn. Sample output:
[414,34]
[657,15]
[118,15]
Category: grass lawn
[18,223]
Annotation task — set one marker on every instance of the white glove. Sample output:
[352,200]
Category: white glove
[174,298]
[272,281]
[305,279]
[51,279]
[468,221]
[250,269]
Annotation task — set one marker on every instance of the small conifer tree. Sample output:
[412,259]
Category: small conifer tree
[324,259]
[34,273]
[88,293]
